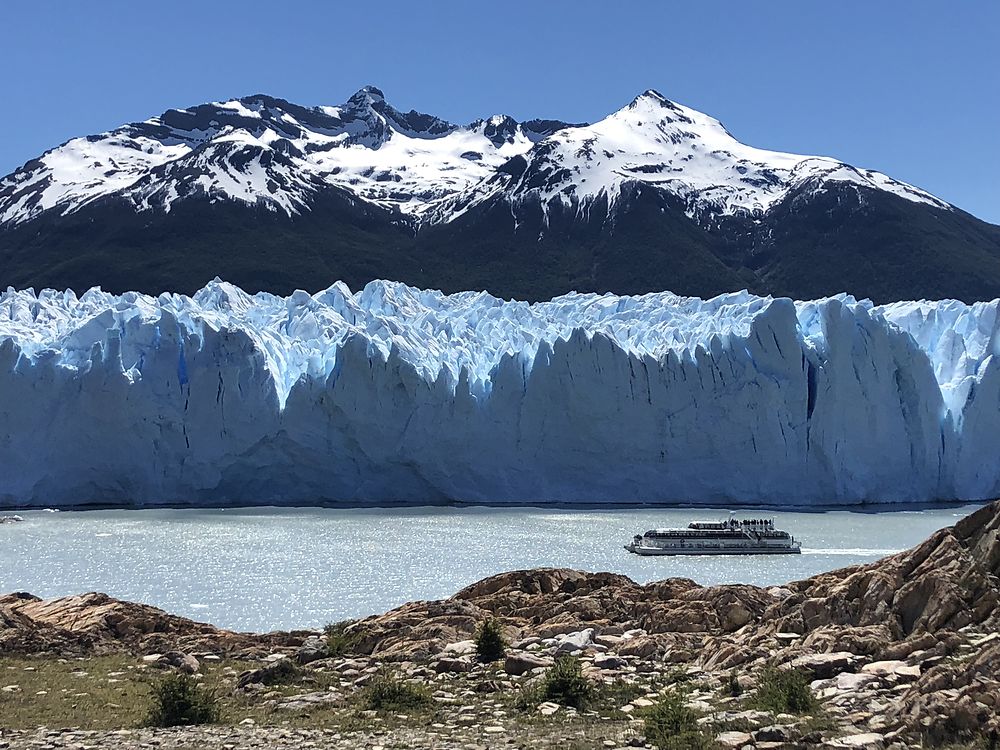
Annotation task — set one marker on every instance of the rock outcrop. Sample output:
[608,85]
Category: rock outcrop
[97,623]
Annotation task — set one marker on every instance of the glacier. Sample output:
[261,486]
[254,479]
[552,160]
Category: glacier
[397,395]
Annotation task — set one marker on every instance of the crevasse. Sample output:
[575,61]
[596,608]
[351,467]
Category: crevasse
[401,395]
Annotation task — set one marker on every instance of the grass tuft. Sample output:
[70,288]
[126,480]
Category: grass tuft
[338,641]
[670,724]
[387,692]
[179,700]
[784,691]
[563,683]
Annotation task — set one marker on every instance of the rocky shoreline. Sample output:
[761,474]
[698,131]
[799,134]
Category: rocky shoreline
[900,653]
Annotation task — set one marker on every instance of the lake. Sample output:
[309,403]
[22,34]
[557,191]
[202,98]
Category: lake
[265,569]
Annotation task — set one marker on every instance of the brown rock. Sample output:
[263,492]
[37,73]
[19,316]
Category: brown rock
[96,623]
[453,664]
[733,739]
[521,663]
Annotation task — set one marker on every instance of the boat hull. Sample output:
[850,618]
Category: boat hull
[664,551]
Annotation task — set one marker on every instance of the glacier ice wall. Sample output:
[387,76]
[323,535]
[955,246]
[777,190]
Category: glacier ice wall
[395,394]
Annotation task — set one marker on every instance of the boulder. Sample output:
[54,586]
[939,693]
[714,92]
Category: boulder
[548,708]
[519,663]
[577,641]
[733,739]
[773,733]
[642,646]
[313,649]
[459,648]
[824,666]
[178,660]
[864,741]
[786,639]
[92,623]
[608,641]
[892,668]
[453,664]
[851,682]
[735,617]
[609,661]
[272,673]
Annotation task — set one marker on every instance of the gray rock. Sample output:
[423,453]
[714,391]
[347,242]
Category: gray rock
[577,641]
[306,700]
[180,661]
[271,674]
[894,668]
[774,733]
[459,648]
[313,649]
[865,741]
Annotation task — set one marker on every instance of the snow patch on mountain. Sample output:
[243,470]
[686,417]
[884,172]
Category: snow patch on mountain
[396,394]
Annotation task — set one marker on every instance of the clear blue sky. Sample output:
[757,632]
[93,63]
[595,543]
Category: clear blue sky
[911,88]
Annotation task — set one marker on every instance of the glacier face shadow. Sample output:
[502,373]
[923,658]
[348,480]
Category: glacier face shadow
[399,395]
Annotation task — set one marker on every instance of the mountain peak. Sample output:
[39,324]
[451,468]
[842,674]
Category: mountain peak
[369,94]
[653,95]
[652,100]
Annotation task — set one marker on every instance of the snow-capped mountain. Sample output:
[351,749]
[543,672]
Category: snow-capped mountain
[656,142]
[655,196]
[268,151]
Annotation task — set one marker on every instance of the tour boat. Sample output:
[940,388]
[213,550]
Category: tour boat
[756,536]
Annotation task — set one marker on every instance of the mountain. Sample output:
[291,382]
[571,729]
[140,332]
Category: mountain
[655,196]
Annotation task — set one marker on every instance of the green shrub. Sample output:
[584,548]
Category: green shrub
[338,641]
[677,676]
[388,693]
[529,697]
[732,686]
[490,643]
[670,724]
[563,683]
[179,700]
[784,691]
[948,734]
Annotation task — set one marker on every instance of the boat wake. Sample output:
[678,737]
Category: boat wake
[852,551]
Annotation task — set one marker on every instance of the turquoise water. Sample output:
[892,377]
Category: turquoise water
[265,569]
